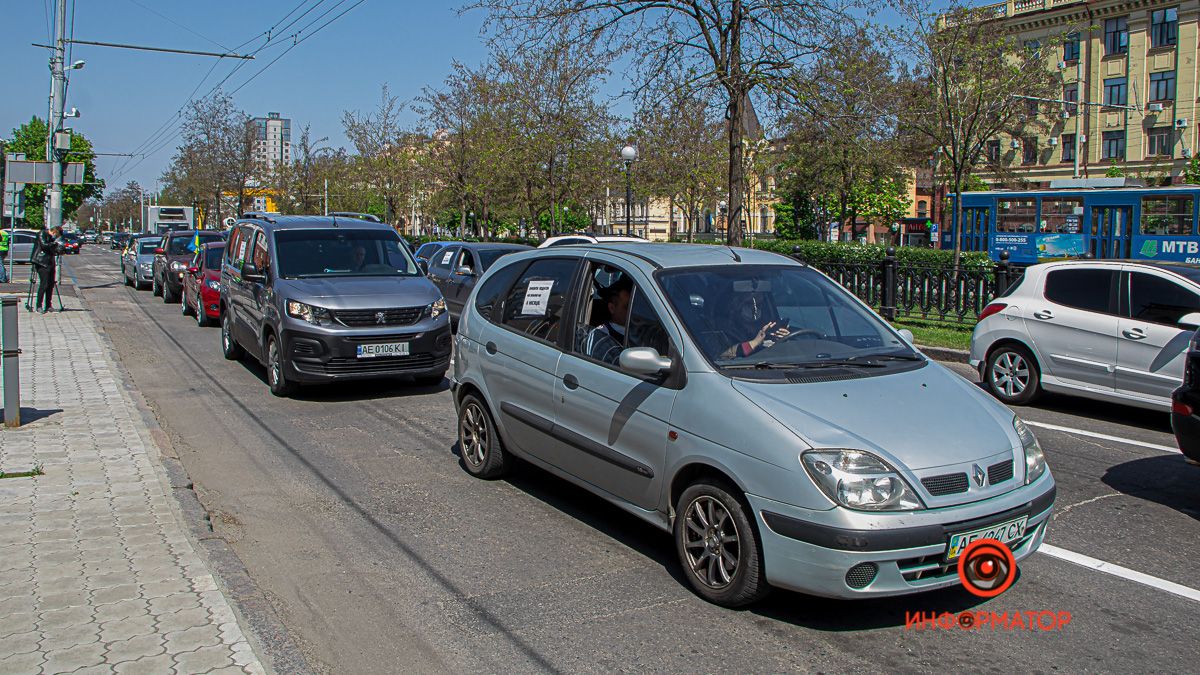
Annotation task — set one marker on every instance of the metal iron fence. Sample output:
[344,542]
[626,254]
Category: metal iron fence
[933,293]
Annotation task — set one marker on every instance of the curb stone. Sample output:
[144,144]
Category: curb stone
[265,630]
[945,354]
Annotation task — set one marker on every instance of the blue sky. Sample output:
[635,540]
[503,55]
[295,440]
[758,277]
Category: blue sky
[124,96]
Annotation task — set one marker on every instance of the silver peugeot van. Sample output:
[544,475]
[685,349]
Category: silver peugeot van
[742,401]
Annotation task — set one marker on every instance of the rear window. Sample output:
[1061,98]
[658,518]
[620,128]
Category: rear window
[147,246]
[187,244]
[1086,289]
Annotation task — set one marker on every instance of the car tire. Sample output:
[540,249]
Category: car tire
[202,316]
[712,528]
[184,308]
[1012,375]
[126,279]
[276,379]
[230,349]
[168,295]
[155,286]
[430,380]
[480,450]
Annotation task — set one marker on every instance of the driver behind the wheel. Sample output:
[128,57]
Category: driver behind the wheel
[749,325]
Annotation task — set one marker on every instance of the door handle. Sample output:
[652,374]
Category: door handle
[570,381]
[1044,314]
[1134,333]
[490,347]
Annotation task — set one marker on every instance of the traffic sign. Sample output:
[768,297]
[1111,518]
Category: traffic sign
[20,171]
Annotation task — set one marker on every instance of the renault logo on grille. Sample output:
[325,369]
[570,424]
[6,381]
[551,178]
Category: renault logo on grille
[978,474]
[380,317]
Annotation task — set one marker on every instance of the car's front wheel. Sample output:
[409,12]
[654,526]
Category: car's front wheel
[184,308]
[478,443]
[276,379]
[1012,375]
[155,285]
[229,346]
[718,545]
[169,295]
[201,315]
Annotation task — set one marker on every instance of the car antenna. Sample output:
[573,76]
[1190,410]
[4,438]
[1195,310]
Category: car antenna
[736,257]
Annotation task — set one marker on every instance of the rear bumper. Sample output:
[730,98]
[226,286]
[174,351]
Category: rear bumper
[210,301]
[322,357]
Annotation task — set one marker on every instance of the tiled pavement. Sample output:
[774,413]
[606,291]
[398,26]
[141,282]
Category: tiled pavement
[97,573]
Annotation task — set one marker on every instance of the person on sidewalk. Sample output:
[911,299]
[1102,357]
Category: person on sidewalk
[3,256]
[46,249]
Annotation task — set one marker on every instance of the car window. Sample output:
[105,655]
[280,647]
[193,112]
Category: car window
[235,251]
[341,252]
[614,314]
[444,258]
[489,256]
[22,238]
[1086,289]
[147,246]
[492,291]
[260,252]
[466,259]
[212,258]
[564,242]
[1158,300]
[534,304]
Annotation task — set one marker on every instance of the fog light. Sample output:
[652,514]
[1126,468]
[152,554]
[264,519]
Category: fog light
[861,575]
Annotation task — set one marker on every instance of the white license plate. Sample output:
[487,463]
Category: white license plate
[1006,532]
[385,349]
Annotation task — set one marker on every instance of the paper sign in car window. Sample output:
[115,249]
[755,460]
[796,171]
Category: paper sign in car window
[537,298]
[446,258]
[241,252]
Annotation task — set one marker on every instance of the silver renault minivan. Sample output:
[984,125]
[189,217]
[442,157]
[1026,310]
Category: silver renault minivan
[745,403]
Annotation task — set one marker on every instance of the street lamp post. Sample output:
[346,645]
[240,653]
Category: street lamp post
[629,154]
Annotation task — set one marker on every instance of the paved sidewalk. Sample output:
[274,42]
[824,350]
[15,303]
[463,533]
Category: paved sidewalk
[97,572]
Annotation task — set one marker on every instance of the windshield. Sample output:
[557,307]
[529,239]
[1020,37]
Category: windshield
[342,253]
[212,257]
[764,316]
[187,244]
[147,246]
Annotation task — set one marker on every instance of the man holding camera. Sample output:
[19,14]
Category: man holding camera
[46,249]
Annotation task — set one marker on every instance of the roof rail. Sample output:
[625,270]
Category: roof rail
[259,215]
[361,216]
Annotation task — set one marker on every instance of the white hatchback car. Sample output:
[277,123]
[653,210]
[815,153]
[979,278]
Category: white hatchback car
[1111,330]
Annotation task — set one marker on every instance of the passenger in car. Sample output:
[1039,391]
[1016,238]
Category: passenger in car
[605,341]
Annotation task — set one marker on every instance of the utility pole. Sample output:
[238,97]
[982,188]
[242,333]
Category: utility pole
[54,124]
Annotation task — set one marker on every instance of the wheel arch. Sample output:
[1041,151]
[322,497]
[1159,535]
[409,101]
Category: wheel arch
[693,471]
[1012,341]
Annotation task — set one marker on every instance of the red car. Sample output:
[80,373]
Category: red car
[202,284]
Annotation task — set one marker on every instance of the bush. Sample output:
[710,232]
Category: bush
[817,253]
[417,241]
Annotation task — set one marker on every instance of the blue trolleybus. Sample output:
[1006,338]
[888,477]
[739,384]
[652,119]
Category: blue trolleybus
[1041,225]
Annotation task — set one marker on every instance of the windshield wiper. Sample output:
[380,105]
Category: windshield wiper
[887,357]
[775,365]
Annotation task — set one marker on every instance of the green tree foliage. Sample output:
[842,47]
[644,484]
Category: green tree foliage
[1191,173]
[1114,170]
[30,138]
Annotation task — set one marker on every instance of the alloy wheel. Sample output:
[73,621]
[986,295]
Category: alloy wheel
[711,542]
[473,434]
[273,364]
[1010,374]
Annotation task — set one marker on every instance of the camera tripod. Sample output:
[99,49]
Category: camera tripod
[33,279]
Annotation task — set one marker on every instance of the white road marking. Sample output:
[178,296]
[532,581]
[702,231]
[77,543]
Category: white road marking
[1122,572]
[1093,434]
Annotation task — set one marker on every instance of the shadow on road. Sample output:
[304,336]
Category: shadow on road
[1101,411]
[355,390]
[31,415]
[1164,479]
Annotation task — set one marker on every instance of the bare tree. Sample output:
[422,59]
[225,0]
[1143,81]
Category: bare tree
[737,45]
[387,152]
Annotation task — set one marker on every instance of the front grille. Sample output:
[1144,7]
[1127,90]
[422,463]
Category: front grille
[945,484]
[861,575]
[352,366]
[1000,472]
[371,339]
[396,316]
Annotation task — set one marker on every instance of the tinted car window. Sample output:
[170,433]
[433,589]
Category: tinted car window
[443,258]
[1159,300]
[427,250]
[564,242]
[212,257]
[341,252]
[147,246]
[488,257]
[535,303]
[1088,290]
[260,252]
[497,285]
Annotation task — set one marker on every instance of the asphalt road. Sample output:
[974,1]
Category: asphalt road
[380,554]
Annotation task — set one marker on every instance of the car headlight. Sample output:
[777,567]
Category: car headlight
[317,316]
[213,284]
[178,266]
[145,266]
[1035,459]
[436,308]
[859,480]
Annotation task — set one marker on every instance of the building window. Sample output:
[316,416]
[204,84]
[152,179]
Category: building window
[1068,147]
[1114,144]
[1115,91]
[1116,35]
[1162,86]
[1161,141]
[1167,215]
[1071,93]
[1033,48]
[1071,47]
[992,151]
[1016,215]
[1061,216]
[1164,27]
[922,208]
[1029,149]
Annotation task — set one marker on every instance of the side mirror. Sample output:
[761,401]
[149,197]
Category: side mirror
[250,272]
[1191,320]
[159,251]
[643,361]
[193,270]
[906,334]
[465,271]
[423,265]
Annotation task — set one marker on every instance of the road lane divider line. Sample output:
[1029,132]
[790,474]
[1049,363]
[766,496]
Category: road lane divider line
[1093,434]
[1122,572]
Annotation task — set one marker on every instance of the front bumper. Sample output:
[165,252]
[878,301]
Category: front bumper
[314,357]
[803,555]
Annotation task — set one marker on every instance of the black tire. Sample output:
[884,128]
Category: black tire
[731,536]
[126,279]
[169,296]
[155,286]
[202,319]
[230,349]
[430,380]
[184,308]
[1012,375]
[276,379]
[479,445]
